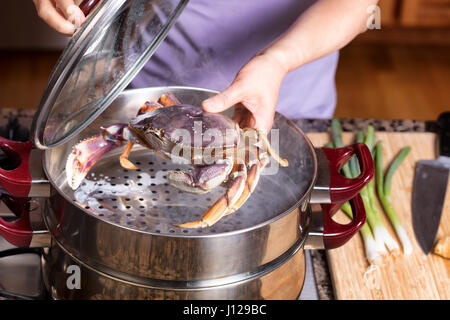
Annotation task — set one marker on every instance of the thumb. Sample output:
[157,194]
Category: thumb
[223,100]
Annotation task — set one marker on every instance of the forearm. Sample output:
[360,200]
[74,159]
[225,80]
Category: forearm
[325,27]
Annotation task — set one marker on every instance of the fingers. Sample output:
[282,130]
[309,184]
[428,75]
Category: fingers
[71,11]
[223,100]
[251,113]
[64,22]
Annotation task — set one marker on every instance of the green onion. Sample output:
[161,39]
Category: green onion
[380,229]
[381,234]
[370,246]
[375,234]
[337,137]
[370,137]
[370,216]
[360,137]
[384,193]
[375,225]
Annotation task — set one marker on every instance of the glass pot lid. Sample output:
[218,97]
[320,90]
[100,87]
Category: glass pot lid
[112,46]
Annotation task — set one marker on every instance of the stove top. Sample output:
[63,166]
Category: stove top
[20,273]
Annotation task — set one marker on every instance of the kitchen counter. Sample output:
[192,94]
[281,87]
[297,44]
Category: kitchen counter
[318,257]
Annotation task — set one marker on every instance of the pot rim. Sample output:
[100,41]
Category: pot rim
[223,234]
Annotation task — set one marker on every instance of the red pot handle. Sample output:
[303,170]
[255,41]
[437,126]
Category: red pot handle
[336,234]
[341,188]
[16,182]
[18,232]
[16,186]
[87,5]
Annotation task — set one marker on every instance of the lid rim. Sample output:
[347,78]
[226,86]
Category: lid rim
[65,65]
[71,58]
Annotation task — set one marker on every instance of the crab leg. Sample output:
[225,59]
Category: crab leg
[124,162]
[266,145]
[87,152]
[272,152]
[250,184]
[168,100]
[149,106]
[225,203]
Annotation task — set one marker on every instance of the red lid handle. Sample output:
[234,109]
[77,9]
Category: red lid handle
[87,5]
[336,234]
[341,188]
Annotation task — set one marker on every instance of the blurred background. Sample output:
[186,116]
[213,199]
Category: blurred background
[399,72]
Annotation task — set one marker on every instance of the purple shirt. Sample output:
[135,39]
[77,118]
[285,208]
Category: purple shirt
[212,40]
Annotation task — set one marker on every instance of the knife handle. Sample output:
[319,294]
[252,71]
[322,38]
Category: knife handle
[444,134]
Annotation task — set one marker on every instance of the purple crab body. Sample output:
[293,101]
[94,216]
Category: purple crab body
[187,127]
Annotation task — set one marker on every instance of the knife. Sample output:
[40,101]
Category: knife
[430,185]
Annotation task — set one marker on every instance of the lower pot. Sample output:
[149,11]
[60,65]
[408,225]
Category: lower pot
[68,278]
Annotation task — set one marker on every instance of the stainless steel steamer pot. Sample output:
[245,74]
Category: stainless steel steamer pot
[117,228]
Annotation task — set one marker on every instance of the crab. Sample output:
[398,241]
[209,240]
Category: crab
[180,132]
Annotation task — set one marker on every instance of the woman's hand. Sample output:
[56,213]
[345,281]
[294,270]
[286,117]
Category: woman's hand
[256,87]
[62,15]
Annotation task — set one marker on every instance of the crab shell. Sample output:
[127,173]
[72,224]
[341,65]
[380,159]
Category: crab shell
[186,127]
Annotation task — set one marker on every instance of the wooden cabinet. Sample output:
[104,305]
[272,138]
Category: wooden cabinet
[425,13]
[388,11]
[415,13]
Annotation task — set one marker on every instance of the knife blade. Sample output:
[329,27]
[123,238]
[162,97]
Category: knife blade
[429,189]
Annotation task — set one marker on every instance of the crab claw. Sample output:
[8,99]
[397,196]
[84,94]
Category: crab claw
[87,152]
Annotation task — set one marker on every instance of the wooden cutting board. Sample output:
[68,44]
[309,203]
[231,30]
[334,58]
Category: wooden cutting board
[415,276]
